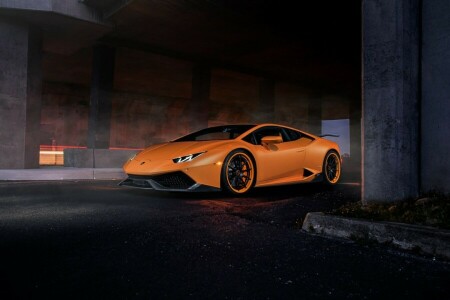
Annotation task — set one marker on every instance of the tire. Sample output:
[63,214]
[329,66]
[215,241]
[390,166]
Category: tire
[238,172]
[331,168]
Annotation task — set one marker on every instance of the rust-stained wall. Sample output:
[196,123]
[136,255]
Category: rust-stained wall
[234,98]
[65,98]
[140,120]
[64,114]
[73,69]
[152,74]
[152,99]
[335,107]
[291,105]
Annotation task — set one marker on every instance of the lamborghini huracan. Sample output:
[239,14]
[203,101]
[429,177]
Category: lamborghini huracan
[235,158]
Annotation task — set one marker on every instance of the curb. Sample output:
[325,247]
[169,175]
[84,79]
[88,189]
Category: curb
[428,240]
[63,174]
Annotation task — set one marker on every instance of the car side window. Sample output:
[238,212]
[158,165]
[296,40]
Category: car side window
[250,139]
[292,134]
[269,131]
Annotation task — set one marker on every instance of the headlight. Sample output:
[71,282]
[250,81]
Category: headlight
[187,158]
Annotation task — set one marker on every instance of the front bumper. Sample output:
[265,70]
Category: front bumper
[172,182]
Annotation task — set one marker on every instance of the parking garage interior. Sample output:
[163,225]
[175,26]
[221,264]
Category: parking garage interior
[106,78]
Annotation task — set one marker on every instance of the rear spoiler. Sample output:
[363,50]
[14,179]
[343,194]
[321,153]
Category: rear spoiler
[332,135]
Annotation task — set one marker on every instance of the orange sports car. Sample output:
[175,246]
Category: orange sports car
[235,158]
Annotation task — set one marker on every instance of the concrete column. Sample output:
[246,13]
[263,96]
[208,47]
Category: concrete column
[201,86]
[354,163]
[20,94]
[390,99]
[435,106]
[266,111]
[99,125]
[315,116]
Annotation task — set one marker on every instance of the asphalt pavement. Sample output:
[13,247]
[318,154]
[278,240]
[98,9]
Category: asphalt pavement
[95,240]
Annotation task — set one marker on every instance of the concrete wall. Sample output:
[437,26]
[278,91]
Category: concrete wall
[435,133]
[65,98]
[64,114]
[74,69]
[152,100]
[151,74]
[234,98]
[141,120]
[291,105]
[152,95]
[96,158]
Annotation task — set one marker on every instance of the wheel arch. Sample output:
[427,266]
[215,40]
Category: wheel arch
[252,157]
[335,151]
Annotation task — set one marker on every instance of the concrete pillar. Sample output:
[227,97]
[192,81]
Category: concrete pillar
[390,99]
[266,111]
[201,87]
[315,116]
[99,125]
[354,163]
[435,103]
[20,94]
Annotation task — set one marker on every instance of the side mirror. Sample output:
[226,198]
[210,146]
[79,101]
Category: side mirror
[269,141]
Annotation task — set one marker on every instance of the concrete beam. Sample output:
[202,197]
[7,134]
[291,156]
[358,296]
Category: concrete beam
[71,8]
[108,7]
[20,95]
[115,7]
[216,63]
[390,99]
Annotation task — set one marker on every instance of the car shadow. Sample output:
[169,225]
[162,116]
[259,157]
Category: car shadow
[263,194]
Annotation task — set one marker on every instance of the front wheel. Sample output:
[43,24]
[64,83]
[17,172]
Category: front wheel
[331,168]
[238,172]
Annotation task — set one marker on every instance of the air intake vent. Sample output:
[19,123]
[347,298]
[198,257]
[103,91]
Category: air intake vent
[175,180]
[307,173]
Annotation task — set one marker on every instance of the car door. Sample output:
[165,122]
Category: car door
[281,160]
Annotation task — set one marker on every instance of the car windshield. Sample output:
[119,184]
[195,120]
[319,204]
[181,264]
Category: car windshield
[227,132]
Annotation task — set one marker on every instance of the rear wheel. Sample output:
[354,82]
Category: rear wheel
[238,172]
[331,168]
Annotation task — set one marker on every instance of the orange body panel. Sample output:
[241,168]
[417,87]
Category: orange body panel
[289,162]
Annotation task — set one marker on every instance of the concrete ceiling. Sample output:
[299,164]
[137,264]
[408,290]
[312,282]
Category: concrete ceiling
[315,43]
[308,42]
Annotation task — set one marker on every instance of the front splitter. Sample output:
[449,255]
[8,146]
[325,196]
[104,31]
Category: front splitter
[150,184]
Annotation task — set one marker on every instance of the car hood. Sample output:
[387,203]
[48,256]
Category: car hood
[176,149]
